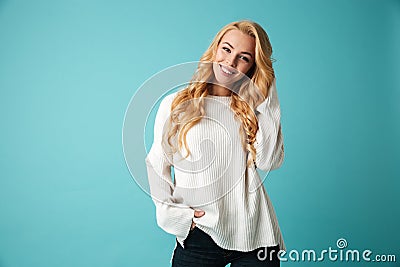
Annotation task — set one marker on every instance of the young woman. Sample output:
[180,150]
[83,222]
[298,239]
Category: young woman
[215,133]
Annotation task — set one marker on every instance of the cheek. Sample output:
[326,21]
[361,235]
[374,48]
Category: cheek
[219,56]
[244,68]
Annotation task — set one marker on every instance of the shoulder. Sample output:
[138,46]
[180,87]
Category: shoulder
[166,102]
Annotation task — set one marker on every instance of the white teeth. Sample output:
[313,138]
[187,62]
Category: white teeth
[226,71]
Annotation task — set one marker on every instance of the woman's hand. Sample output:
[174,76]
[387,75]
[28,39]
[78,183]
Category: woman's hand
[197,214]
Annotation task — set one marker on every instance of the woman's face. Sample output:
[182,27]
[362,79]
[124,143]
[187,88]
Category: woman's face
[234,57]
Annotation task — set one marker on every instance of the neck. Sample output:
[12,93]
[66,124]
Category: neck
[219,90]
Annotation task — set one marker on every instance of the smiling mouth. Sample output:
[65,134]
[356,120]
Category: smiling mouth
[227,71]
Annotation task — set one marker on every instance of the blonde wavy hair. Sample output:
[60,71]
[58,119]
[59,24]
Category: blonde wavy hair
[187,108]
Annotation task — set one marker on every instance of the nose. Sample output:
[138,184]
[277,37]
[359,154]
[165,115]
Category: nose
[230,61]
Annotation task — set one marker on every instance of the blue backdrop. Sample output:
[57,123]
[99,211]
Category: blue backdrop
[68,70]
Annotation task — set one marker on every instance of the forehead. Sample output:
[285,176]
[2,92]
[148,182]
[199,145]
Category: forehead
[239,40]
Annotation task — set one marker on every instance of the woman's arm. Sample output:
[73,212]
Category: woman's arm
[172,215]
[269,138]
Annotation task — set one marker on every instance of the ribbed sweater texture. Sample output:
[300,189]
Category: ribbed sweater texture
[239,214]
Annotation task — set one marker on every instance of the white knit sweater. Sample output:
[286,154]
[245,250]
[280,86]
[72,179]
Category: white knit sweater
[238,212]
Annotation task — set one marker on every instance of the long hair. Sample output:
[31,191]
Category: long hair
[187,108]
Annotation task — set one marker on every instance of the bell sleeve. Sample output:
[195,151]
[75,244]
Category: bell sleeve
[173,216]
[269,139]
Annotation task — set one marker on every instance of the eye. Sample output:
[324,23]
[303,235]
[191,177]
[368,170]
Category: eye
[226,49]
[244,58]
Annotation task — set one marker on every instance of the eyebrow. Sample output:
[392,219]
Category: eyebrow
[244,52]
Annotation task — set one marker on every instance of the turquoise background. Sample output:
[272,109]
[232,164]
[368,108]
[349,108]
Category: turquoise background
[68,70]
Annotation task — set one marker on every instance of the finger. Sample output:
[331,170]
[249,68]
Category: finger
[199,213]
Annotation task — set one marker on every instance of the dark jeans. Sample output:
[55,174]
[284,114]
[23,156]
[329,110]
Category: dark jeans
[201,251]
